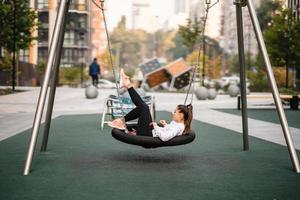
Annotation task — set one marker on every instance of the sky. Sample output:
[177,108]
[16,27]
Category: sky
[161,8]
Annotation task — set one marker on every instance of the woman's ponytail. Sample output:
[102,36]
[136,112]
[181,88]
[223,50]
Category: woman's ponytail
[187,111]
[189,119]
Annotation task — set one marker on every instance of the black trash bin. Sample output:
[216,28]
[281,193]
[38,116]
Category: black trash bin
[294,103]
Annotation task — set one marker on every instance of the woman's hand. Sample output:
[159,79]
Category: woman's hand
[163,122]
[153,124]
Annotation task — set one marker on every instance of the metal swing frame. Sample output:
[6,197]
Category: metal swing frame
[51,77]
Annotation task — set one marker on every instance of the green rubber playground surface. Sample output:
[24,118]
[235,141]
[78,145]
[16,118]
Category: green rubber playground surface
[85,163]
[269,115]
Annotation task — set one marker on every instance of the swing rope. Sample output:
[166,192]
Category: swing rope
[199,53]
[101,7]
[189,88]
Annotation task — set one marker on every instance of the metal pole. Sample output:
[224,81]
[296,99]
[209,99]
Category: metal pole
[55,73]
[43,93]
[81,74]
[240,36]
[14,50]
[49,109]
[276,97]
[203,38]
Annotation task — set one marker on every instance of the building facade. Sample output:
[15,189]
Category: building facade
[76,39]
[84,37]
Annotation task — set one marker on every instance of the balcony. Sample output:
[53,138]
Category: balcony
[78,7]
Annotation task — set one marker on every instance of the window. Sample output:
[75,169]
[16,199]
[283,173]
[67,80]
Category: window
[82,21]
[81,56]
[67,56]
[81,38]
[69,37]
[42,55]
[24,55]
[44,19]
[43,36]
[42,4]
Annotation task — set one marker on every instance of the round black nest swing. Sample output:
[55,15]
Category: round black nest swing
[151,142]
[145,141]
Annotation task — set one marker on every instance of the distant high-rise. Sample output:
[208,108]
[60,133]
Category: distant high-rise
[181,14]
[197,9]
[181,6]
[143,17]
[229,31]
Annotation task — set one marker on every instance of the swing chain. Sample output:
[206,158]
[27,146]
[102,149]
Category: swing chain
[101,7]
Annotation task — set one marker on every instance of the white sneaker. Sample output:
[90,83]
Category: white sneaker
[124,79]
[117,123]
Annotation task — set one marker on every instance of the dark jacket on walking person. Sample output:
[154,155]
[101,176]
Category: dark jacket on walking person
[94,72]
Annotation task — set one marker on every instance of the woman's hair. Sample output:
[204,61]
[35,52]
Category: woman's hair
[187,111]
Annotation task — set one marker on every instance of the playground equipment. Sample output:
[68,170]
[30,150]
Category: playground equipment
[154,72]
[112,107]
[152,142]
[51,75]
[180,73]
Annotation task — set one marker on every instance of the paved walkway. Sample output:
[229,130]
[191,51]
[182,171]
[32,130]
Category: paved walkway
[17,111]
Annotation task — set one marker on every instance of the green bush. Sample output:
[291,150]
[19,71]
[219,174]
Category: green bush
[258,81]
[71,76]
[41,67]
[6,63]
[288,91]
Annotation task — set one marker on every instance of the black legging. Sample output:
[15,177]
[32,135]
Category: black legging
[140,112]
[95,79]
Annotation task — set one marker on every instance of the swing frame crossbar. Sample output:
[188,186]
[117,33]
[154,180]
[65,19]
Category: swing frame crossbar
[52,68]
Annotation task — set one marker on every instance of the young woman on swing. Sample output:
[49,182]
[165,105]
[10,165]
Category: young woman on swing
[180,124]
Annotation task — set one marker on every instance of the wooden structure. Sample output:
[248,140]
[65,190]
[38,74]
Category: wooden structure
[154,72]
[180,73]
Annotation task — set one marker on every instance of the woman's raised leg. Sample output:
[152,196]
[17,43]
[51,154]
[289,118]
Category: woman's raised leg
[141,111]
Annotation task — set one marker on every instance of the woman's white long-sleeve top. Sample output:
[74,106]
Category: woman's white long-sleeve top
[168,131]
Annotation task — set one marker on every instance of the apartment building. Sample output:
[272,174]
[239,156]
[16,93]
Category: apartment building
[84,36]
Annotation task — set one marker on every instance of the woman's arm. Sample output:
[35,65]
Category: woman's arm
[166,133]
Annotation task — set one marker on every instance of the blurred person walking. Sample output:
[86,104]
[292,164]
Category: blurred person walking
[95,72]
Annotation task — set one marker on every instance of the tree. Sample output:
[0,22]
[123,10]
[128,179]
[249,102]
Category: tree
[234,64]
[127,45]
[17,21]
[190,33]
[266,11]
[283,40]
[179,49]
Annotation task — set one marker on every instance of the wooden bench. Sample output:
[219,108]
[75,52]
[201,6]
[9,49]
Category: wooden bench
[293,100]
